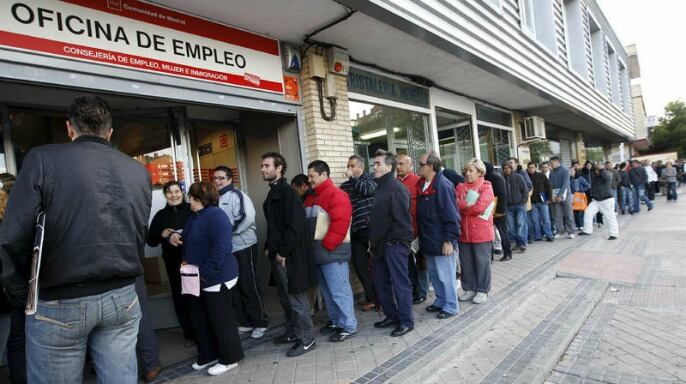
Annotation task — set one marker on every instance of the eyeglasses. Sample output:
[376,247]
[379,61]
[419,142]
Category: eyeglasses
[218,178]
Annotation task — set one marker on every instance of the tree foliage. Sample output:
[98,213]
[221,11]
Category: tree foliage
[670,134]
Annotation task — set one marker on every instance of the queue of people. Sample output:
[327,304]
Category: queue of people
[400,231]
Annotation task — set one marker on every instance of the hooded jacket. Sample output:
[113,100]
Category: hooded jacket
[241,213]
[517,191]
[333,201]
[475,229]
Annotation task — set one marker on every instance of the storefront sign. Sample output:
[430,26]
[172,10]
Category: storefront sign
[143,36]
[371,84]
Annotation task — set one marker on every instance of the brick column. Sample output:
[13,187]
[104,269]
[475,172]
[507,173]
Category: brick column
[330,141]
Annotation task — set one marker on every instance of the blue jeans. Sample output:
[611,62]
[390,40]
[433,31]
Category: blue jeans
[442,274]
[540,217]
[61,331]
[640,194]
[627,200]
[671,191]
[516,222]
[334,284]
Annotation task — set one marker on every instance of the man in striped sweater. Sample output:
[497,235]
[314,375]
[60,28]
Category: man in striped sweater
[361,187]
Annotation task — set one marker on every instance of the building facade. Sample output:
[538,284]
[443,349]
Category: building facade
[199,84]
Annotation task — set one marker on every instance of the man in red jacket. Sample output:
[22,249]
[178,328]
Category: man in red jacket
[419,276]
[331,250]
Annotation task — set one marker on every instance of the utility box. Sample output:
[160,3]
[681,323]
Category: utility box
[317,66]
[338,60]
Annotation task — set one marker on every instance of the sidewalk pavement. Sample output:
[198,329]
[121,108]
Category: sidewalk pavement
[647,295]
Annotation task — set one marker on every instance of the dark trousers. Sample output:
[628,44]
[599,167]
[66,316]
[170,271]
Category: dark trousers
[417,267]
[475,259]
[16,346]
[651,189]
[391,281]
[501,224]
[172,263]
[361,257]
[296,307]
[247,299]
[146,348]
[215,327]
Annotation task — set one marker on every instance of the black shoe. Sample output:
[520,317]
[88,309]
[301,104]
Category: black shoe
[444,315]
[341,335]
[419,300]
[549,239]
[582,233]
[432,308]
[612,238]
[329,329]
[497,251]
[650,209]
[401,331]
[300,349]
[506,258]
[522,248]
[285,339]
[385,323]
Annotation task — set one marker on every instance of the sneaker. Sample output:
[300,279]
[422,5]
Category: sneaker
[571,236]
[220,369]
[431,287]
[557,236]
[480,298]
[342,335]
[300,349]
[285,339]
[497,251]
[200,367]
[329,328]
[466,295]
[243,329]
[258,332]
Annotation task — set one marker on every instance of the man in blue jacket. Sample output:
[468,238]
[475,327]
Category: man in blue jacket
[438,227]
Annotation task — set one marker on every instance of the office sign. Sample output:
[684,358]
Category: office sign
[372,84]
[142,36]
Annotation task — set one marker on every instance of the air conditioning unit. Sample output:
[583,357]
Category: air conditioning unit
[534,128]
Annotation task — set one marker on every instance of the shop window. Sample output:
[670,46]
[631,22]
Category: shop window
[147,138]
[455,141]
[398,130]
[495,144]
[544,150]
[492,115]
[215,146]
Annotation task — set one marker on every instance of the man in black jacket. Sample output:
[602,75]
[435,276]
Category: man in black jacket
[500,213]
[602,200]
[390,235]
[96,202]
[287,249]
[517,195]
[539,216]
[639,179]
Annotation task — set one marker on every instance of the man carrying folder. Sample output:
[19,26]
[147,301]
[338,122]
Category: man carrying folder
[96,202]
[329,213]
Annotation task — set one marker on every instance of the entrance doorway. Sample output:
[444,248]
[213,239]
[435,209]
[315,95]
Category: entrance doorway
[174,141]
